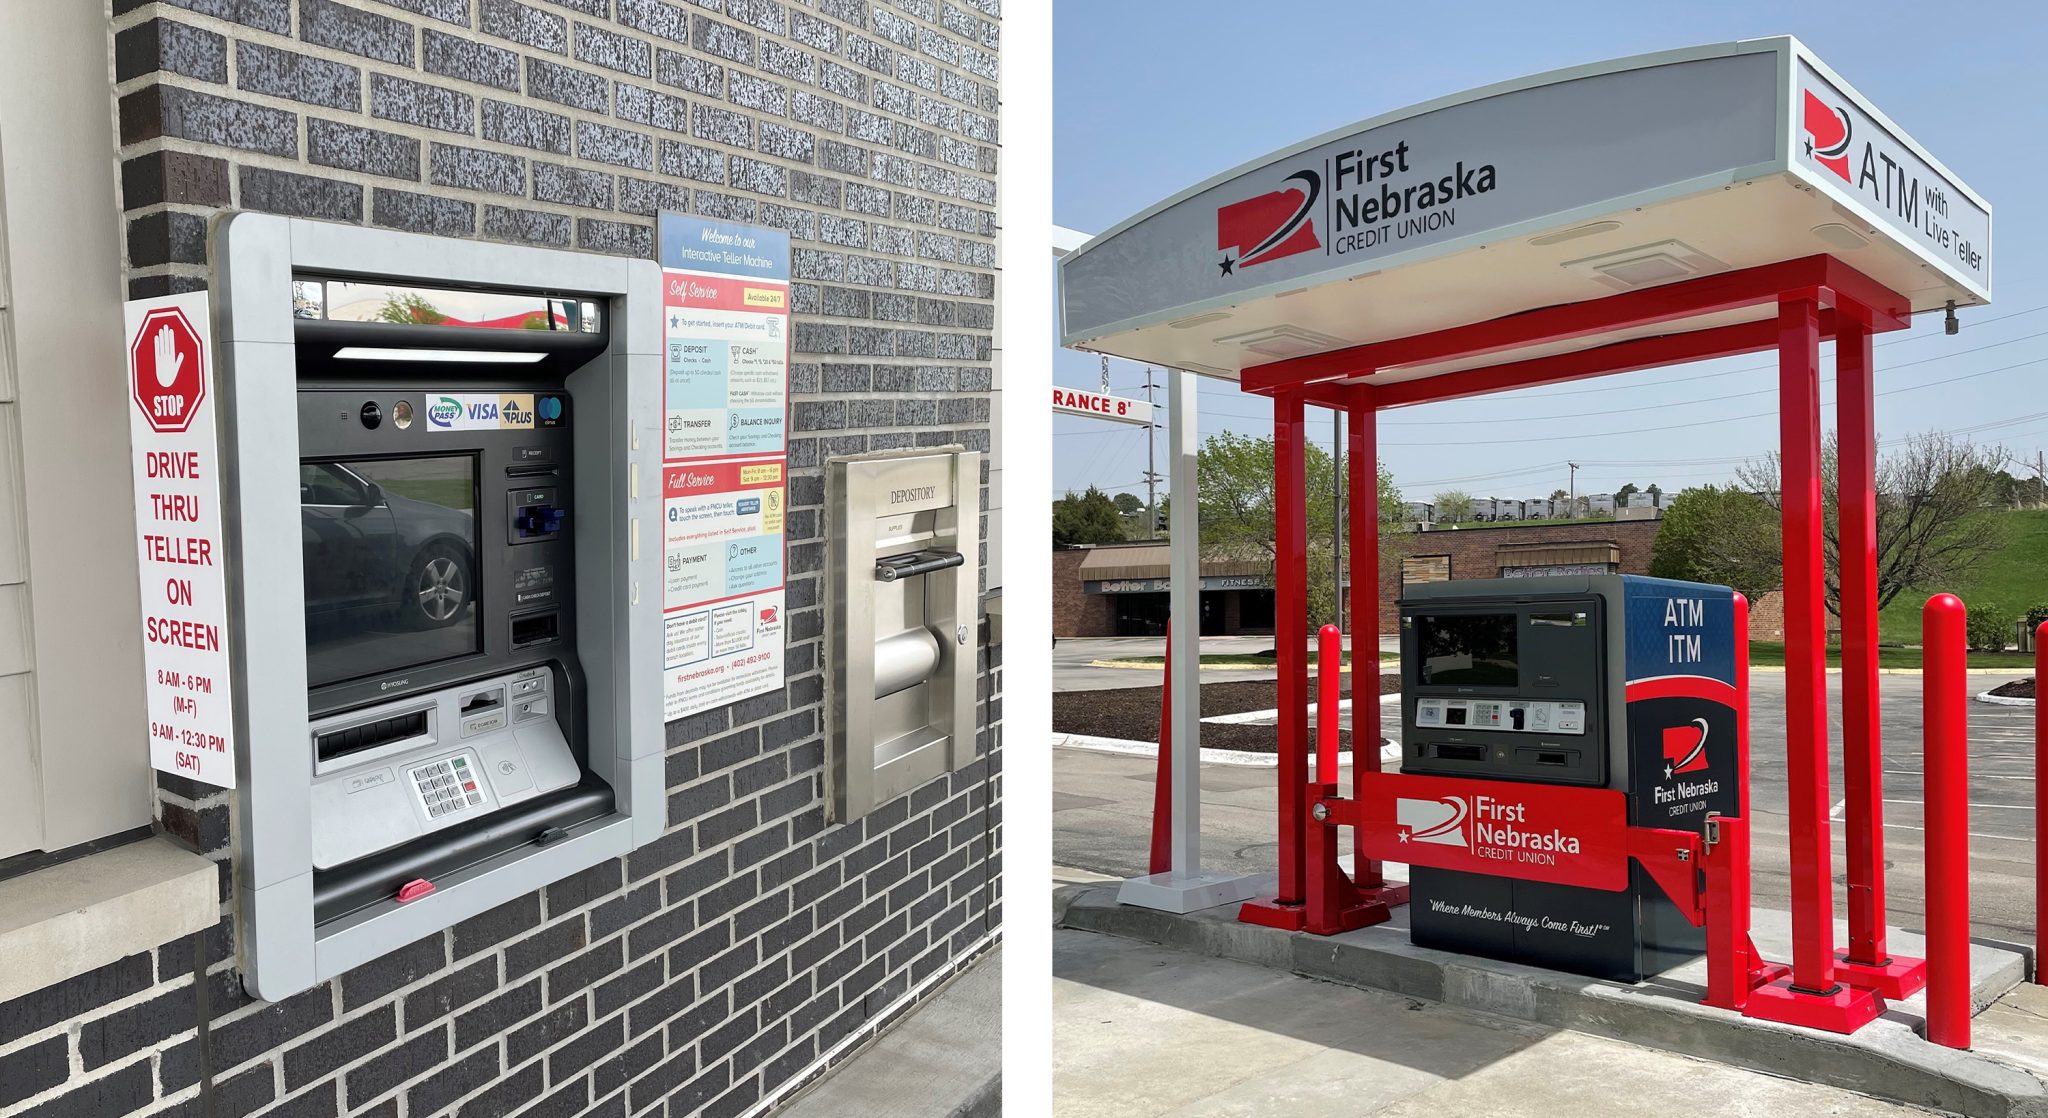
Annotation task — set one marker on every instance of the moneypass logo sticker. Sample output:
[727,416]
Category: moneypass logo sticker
[444,412]
[1827,131]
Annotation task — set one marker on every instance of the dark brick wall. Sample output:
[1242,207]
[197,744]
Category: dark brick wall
[1475,552]
[706,972]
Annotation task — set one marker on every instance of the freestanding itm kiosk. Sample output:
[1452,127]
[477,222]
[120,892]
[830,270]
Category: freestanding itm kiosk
[449,637]
[1598,681]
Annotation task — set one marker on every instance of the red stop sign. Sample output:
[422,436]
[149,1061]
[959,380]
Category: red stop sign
[167,372]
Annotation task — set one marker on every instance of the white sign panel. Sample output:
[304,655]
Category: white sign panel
[178,539]
[1854,157]
[725,335]
[1101,406]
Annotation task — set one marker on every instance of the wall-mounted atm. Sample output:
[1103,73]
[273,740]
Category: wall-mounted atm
[1602,681]
[903,565]
[441,460]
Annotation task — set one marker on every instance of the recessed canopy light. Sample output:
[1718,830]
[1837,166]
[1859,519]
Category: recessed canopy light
[465,356]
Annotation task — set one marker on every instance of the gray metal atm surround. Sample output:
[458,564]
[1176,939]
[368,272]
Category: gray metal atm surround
[616,483]
[903,557]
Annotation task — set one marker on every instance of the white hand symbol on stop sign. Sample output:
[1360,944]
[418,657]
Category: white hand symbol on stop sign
[169,362]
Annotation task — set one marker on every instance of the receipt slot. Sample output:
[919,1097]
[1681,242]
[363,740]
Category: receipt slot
[439,459]
[1603,681]
[903,547]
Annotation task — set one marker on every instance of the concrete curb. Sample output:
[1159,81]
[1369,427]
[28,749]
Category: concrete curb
[2003,700]
[1238,757]
[1887,1060]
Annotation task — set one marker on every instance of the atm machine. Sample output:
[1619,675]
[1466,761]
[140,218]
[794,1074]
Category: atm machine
[1599,681]
[452,679]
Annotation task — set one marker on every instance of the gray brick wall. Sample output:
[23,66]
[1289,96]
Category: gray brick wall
[707,972]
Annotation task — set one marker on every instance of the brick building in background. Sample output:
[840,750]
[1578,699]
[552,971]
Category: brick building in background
[730,962]
[1120,589]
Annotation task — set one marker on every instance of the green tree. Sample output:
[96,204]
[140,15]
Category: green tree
[1937,518]
[1128,504]
[1655,492]
[1453,506]
[1622,495]
[1086,519]
[411,309]
[1726,536]
[1235,475]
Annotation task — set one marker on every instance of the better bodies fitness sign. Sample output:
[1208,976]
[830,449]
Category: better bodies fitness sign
[725,474]
[178,539]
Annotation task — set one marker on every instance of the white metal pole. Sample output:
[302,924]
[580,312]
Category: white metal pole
[1185,604]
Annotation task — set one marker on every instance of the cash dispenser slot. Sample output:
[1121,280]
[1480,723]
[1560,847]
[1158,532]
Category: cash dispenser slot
[396,729]
[1450,751]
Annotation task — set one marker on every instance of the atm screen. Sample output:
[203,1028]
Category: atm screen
[389,564]
[1480,649]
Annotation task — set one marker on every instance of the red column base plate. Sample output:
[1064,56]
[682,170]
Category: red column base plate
[1897,978]
[1843,1011]
[1270,912]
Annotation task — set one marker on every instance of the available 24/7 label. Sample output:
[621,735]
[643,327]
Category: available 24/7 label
[187,684]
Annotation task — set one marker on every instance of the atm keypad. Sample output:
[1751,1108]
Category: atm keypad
[447,786]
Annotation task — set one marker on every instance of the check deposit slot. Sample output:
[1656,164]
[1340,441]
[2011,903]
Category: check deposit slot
[453,678]
[901,623]
[1607,681]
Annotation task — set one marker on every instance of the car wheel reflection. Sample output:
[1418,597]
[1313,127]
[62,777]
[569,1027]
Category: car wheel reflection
[440,588]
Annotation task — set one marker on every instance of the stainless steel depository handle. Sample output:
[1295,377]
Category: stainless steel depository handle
[889,568]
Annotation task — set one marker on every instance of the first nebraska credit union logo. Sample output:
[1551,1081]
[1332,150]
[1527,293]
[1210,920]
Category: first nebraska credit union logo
[1685,748]
[167,374]
[1272,225]
[1827,134]
[1436,821]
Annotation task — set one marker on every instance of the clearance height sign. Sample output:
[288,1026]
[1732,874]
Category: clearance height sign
[725,473]
[178,539]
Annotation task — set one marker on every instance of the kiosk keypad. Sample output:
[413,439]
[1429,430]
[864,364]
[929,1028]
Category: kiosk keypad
[446,786]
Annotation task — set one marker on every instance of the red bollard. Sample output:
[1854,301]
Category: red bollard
[1945,751]
[1162,778]
[2040,766]
[1329,660]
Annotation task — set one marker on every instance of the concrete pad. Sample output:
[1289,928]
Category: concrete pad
[944,1058]
[1573,1074]
[1142,1031]
[1887,1059]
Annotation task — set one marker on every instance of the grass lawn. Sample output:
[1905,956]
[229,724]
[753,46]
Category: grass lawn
[2011,581]
[1227,661]
[1771,654]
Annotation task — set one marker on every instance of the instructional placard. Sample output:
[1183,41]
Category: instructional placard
[178,539]
[725,338]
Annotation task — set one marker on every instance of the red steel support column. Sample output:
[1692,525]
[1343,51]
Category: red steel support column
[1862,751]
[1945,697]
[2040,823]
[1290,634]
[1806,718]
[1365,607]
[1329,677]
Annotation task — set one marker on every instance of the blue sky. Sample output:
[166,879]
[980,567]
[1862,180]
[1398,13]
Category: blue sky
[1152,96]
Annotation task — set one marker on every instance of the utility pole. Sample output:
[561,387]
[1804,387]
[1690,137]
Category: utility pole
[1151,470]
[1571,505]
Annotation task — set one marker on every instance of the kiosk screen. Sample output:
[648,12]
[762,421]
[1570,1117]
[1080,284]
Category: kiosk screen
[389,564]
[1479,649]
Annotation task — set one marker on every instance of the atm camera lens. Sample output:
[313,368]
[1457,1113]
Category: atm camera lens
[372,415]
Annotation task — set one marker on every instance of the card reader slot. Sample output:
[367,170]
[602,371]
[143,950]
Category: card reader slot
[367,881]
[370,735]
[533,469]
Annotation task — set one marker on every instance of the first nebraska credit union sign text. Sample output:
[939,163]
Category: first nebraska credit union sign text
[178,539]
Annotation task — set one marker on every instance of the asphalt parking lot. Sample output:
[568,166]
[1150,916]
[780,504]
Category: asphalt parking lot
[1102,816]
